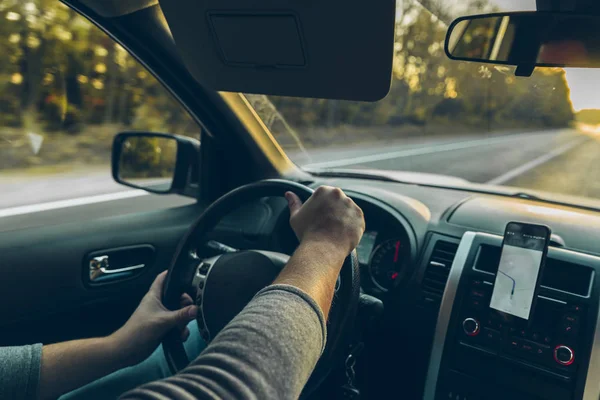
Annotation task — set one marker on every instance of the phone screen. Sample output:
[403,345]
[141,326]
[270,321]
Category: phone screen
[523,253]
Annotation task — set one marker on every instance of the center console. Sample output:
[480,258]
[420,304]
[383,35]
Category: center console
[479,354]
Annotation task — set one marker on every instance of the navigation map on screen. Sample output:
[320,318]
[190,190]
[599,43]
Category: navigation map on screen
[518,271]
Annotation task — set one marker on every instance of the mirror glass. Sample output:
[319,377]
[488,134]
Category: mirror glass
[148,162]
[538,38]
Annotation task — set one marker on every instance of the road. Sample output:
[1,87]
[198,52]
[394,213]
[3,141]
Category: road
[565,161]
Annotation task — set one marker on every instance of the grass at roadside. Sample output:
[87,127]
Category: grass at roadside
[41,170]
[58,152]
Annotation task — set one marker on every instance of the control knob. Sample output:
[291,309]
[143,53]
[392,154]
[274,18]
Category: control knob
[564,355]
[471,326]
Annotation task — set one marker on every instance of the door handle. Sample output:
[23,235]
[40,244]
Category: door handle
[100,268]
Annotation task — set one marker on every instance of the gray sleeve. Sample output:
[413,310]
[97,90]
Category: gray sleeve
[267,352]
[20,372]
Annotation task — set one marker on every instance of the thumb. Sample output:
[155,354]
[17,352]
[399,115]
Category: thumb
[294,203]
[182,316]
[157,285]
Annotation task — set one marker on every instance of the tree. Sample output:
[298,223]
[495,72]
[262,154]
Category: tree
[434,94]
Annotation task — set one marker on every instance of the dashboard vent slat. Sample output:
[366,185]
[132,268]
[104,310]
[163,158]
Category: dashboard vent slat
[437,270]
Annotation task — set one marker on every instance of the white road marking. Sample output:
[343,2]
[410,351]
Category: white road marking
[80,201]
[415,152]
[513,173]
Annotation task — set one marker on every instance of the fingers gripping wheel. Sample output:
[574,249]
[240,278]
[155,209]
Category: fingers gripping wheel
[185,263]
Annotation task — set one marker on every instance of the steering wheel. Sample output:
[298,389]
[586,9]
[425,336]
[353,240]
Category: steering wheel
[224,284]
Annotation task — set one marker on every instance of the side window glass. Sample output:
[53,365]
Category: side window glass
[66,89]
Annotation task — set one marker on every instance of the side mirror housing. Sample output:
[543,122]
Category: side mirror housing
[156,162]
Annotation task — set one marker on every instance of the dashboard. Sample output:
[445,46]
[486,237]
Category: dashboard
[430,254]
[387,249]
[386,261]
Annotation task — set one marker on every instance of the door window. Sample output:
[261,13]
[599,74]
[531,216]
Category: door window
[66,89]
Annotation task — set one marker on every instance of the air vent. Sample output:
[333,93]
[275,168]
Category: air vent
[437,270]
[558,274]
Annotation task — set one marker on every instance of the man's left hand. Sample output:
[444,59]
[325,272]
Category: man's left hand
[150,322]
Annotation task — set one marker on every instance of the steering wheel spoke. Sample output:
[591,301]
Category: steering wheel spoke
[202,270]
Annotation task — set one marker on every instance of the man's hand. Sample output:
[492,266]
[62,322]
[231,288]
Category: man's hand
[69,365]
[328,216]
[150,322]
[329,226]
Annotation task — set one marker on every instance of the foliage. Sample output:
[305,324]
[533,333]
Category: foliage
[589,116]
[148,157]
[431,94]
[60,74]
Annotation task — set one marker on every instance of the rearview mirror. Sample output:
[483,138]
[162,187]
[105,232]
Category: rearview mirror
[155,162]
[548,39]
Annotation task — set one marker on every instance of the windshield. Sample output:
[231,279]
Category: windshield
[463,120]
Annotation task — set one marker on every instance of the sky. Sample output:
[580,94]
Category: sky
[516,5]
[585,87]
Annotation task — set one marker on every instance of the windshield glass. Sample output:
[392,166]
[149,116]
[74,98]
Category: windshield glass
[462,120]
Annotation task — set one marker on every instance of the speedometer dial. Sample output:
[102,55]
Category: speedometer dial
[387,263]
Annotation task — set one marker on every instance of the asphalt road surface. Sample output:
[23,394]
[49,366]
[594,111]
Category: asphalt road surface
[565,161]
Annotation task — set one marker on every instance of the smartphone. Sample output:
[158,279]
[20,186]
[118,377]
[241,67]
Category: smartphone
[522,260]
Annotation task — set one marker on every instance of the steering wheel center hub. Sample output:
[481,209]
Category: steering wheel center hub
[225,284]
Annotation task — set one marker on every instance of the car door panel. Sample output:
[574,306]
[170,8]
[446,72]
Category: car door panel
[43,291]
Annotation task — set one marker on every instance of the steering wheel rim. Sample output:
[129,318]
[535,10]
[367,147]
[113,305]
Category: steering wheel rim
[184,264]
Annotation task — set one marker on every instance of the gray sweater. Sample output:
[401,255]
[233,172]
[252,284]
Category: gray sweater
[267,352]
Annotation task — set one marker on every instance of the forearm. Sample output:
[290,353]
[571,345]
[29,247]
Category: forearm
[268,351]
[314,268]
[70,365]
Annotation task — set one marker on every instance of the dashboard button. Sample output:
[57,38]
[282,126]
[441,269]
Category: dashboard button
[564,355]
[514,344]
[575,309]
[541,351]
[476,304]
[569,329]
[570,319]
[526,347]
[522,332]
[494,324]
[204,268]
[470,326]
[491,336]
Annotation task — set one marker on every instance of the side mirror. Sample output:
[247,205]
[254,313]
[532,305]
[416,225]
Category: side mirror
[156,162]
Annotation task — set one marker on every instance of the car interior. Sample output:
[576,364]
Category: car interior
[414,314]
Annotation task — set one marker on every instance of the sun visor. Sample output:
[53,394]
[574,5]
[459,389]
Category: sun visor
[337,49]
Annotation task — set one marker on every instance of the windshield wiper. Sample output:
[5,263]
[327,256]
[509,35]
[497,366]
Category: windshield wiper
[525,195]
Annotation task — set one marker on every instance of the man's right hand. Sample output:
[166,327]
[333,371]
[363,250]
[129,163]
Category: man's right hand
[328,216]
[329,226]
